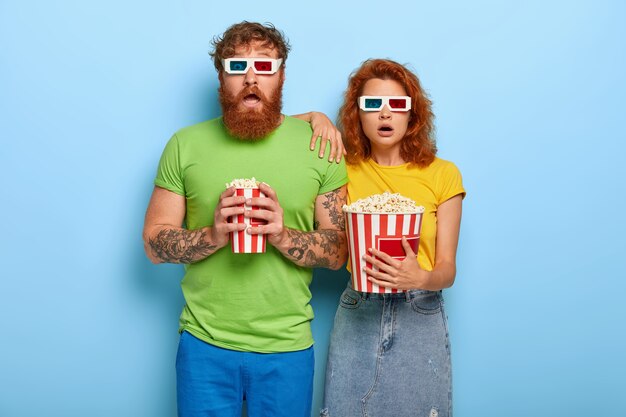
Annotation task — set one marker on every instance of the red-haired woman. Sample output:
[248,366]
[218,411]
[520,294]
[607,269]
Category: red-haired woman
[389,353]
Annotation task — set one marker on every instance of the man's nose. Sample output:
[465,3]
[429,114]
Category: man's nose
[250,78]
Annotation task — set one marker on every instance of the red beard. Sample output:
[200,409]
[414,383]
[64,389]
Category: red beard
[251,124]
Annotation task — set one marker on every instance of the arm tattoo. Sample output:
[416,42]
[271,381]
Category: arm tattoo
[295,253]
[334,212]
[323,247]
[313,260]
[181,246]
[304,243]
[300,243]
[330,241]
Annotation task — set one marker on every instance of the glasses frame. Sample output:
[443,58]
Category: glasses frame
[385,102]
[276,63]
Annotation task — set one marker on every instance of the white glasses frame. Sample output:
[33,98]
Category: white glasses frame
[276,63]
[384,101]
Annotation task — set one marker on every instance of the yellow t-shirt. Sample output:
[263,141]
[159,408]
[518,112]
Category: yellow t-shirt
[428,187]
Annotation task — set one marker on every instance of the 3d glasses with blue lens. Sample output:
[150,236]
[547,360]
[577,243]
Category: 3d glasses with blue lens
[376,103]
[264,66]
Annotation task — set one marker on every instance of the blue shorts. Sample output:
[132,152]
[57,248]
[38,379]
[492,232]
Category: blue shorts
[212,381]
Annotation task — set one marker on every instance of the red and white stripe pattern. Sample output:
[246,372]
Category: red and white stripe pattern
[383,232]
[240,241]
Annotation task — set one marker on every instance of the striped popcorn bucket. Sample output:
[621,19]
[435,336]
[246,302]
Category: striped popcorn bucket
[383,232]
[240,241]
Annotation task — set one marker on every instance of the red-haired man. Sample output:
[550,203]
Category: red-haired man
[245,328]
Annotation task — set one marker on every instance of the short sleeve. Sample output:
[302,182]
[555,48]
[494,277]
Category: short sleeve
[450,183]
[169,173]
[336,176]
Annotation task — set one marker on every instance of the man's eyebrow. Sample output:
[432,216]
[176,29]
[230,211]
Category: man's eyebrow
[262,54]
[265,52]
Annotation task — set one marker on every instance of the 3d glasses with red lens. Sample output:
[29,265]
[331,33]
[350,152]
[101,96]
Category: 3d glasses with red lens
[259,65]
[376,103]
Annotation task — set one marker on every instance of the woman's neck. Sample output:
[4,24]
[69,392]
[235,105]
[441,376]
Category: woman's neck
[387,158]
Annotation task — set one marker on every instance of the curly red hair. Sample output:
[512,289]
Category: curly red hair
[418,145]
[245,33]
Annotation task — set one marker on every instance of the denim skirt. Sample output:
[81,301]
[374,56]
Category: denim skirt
[389,356]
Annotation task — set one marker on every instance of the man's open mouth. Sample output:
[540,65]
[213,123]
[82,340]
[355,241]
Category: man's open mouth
[251,100]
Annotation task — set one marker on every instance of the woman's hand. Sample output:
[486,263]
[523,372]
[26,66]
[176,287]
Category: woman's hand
[407,274]
[393,273]
[324,128]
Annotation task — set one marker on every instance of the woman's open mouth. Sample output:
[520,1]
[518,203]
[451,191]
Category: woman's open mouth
[385,131]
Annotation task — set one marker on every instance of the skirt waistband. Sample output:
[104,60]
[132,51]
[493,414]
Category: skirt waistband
[407,295]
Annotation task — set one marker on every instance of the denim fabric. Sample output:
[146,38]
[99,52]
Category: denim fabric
[389,356]
[213,382]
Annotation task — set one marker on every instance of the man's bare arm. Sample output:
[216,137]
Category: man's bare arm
[165,240]
[324,247]
[180,246]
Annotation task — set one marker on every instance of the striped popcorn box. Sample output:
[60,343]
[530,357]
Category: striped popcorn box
[240,241]
[381,231]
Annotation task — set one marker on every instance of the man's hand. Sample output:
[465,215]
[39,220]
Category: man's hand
[324,247]
[229,205]
[270,211]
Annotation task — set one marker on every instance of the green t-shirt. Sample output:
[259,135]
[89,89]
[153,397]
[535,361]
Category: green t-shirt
[248,302]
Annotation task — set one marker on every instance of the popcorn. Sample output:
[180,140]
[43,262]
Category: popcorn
[244,183]
[384,203]
[240,241]
[380,221]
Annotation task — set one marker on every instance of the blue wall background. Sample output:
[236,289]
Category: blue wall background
[529,98]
